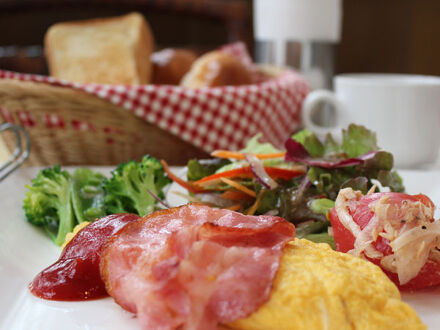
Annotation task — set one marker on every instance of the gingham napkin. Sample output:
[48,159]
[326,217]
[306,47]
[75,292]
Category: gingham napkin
[209,118]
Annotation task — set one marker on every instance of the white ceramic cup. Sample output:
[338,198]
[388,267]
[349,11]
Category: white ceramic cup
[404,111]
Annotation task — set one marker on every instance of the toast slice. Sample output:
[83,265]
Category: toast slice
[107,51]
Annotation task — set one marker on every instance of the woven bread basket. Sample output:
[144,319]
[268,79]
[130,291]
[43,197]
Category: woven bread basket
[113,134]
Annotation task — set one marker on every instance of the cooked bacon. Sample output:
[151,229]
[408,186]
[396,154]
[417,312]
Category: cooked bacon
[194,267]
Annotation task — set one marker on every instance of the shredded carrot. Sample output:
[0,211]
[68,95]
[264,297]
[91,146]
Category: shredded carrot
[192,187]
[234,207]
[240,155]
[235,195]
[241,172]
[245,172]
[238,186]
[254,206]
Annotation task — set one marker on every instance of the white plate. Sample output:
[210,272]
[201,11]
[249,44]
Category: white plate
[25,250]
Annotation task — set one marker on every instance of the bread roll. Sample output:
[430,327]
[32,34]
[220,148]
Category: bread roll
[170,65]
[217,69]
[106,51]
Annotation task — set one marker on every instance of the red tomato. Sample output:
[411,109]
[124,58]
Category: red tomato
[428,276]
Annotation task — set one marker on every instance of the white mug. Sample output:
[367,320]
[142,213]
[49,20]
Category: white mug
[403,110]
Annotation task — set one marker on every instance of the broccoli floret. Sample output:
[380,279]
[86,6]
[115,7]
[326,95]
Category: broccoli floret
[48,203]
[128,188]
[57,201]
[87,195]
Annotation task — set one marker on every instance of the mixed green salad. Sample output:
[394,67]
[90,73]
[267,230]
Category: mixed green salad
[299,184]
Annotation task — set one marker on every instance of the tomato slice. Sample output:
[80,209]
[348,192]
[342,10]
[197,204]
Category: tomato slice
[428,276]
[344,239]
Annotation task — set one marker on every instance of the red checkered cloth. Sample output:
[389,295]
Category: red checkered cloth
[209,118]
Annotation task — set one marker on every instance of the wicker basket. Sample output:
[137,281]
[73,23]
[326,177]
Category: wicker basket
[113,134]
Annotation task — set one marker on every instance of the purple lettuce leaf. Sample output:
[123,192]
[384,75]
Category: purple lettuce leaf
[296,152]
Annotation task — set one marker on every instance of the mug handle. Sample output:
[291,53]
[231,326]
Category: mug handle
[20,154]
[309,106]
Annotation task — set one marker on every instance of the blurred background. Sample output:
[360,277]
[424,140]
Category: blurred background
[376,35]
[320,38]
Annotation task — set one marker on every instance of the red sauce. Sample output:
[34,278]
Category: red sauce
[76,275]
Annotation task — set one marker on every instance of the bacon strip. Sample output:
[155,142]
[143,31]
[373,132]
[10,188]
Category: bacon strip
[194,267]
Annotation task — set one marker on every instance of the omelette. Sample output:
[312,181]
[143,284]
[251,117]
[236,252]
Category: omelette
[318,288]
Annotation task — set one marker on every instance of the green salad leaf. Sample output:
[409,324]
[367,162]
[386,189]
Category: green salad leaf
[391,179]
[310,142]
[322,205]
[198,169]
[358,140]
[322,238]
[331,147]
[311,227]
[254,146]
